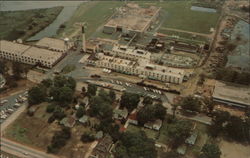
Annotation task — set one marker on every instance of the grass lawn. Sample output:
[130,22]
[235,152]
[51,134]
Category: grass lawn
[150,133]
[23,24]
[93,13]
[163,137]
[36,132]
[180,16]
[19,133]
[183,35]
[68,69]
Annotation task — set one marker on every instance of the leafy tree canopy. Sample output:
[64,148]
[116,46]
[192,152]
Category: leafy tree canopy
[130,100]
[210,151]
[134,145]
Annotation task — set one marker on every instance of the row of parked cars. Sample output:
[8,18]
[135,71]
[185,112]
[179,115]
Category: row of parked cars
[152,90]
[8,110]
[121,83]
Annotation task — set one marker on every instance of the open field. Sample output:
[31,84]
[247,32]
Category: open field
[23,24]
[183,35]
[36,132]
[93,13]
[180,16]
[233,150]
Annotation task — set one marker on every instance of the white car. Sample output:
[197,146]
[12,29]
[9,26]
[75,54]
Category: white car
[4,101]
[17,105]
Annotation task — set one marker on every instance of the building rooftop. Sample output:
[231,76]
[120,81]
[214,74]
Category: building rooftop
[51,43]
[13,47]
[146,64]
[232,92]
[119,61]
[131,51]
[117,113]
[132,17]
[42,54]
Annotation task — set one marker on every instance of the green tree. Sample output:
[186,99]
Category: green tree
[218,120]
[129,100]
[121,152]
[210,151]
[87,137]
[112,95]
[3,68]
[91,90]
[59,140]
[37,94]
[147,100]
[50,108]
[59,113]
[178,132]
[146,114]
[17,69]
[100,108]
[160,111]
[190,103]
[60,81]
[235,128]
[71,83]
[80,112]
[47,82]
[171,154]
[135,145]
[105,96]
[66,95]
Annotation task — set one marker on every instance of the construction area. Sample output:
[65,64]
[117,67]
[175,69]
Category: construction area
[131,19]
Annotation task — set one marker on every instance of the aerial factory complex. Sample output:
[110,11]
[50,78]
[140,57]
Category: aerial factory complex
[141,79]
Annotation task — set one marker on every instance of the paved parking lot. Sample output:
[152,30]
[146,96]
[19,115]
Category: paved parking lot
[11,103]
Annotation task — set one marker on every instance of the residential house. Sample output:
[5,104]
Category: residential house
[156,125]
[120,113]
[102,149]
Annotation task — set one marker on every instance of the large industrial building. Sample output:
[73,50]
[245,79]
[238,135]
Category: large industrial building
[54,44]
[33,55]
[232,94]
[132,61]
[131,19]
[126,52]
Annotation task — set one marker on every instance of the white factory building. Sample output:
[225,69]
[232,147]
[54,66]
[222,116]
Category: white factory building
[55,44]
[141,67]
[28,54]
[130,53]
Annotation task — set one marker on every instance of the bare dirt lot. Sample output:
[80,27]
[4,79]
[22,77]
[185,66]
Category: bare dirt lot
[234,150]
[36,132]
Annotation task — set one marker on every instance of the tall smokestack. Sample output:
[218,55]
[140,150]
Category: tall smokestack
[83,40]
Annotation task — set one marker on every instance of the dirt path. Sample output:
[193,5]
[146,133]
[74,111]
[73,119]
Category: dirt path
[194,33]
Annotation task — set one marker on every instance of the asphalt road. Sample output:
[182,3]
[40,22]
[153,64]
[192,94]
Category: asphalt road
[22,150]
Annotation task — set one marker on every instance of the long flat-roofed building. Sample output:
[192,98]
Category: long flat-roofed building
[54,44]
[141,67]
[29,54]
[232,94]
